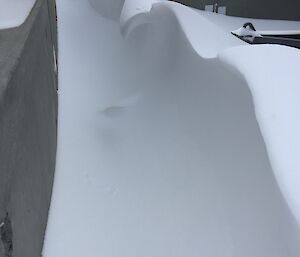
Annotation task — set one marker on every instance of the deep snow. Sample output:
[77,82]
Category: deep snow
[14,12]
[272,73]
[159,151]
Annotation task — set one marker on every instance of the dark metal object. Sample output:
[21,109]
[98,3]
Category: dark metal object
[278,40]
[287,40]
[6,236]
[215,6]
[249,25]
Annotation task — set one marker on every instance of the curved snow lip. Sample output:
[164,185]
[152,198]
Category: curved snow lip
[271,73]
[134,13]
[13,13]
[207,45]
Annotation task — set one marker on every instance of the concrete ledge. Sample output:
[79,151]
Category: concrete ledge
[28,114]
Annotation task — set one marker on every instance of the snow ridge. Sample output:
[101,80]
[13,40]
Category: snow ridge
[271,73]
[159,151]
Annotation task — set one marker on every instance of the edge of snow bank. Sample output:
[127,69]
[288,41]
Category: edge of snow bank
[272,75]
[207,39]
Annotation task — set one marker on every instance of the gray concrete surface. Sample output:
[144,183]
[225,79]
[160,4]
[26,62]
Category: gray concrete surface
[262,9]
[28,114]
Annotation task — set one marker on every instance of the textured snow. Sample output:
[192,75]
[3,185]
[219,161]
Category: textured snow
[159,148]
[14,12]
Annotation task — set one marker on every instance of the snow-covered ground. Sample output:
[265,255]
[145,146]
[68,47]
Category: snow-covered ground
[159,149]
[14,12]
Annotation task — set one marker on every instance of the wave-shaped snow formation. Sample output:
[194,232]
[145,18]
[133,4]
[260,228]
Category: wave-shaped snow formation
[271,73]
[175,138]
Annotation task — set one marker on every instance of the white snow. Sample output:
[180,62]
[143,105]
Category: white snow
[245,32]
[272,73]
[14,12]
[159,149]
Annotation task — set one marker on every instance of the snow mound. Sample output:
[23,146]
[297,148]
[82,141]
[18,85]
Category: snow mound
[205,37]
[272,74]
[13,13]
[159,148]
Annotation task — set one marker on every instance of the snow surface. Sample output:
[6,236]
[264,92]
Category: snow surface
[159,148]
[245,32]
[14,12]
[272,73]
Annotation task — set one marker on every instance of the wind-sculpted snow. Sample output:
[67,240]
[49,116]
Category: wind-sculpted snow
[276,98]
[272,74]
[159,150]
[205,37]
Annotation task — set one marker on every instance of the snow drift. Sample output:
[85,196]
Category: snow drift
[159,149]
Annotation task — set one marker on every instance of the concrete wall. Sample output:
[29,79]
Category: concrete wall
[28,114]
[267,9]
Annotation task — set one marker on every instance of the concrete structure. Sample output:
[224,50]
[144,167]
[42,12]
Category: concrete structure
[28,114]
[266,9]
